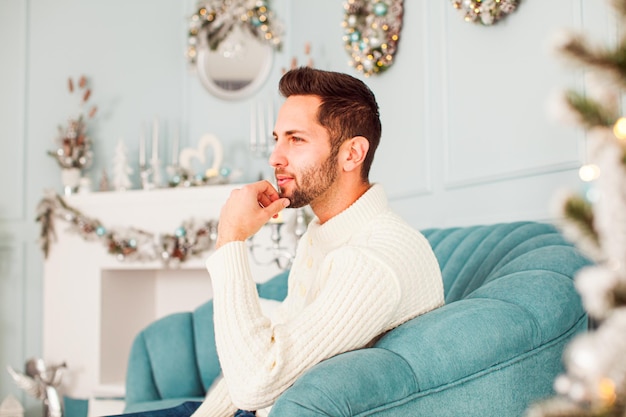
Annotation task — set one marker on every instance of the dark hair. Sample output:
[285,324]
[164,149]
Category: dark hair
[348,107]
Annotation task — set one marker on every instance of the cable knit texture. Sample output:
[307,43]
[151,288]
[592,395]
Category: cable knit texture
[360,274]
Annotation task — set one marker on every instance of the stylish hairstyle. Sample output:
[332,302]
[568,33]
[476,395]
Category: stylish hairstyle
[348,107]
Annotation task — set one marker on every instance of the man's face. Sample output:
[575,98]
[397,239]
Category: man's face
[304,166]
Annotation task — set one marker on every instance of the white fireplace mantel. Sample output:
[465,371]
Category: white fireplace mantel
[95,304]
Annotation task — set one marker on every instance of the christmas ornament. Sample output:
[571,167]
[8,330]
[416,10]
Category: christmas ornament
[371,33]
[121,169]
[182,173]
[104,181]
[215,19]
[41,381]
[485,12]
[193,238]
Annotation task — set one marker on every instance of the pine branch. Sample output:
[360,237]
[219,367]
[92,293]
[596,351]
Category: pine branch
[610,60]
[619,295]
[580,212]
[591,112]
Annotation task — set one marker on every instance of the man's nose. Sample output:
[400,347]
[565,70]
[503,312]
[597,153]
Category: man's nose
[277,157]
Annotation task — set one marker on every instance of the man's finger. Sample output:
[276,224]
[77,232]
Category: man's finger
[266,193]
[277,206]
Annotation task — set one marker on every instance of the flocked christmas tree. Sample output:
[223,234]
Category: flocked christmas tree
[121,170]
[594,383]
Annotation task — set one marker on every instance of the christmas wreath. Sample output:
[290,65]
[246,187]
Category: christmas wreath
[485,12]
[372,31]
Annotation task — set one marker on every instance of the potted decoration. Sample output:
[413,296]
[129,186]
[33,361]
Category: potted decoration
[74,153]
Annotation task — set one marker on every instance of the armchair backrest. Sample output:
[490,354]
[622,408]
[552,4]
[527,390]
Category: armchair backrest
[508,290]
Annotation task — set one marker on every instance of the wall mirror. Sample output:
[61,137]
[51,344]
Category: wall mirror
[238,66]
[231,46]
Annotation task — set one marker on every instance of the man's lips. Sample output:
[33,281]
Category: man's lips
[281,180]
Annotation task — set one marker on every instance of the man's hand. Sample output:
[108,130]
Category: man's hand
[247,210]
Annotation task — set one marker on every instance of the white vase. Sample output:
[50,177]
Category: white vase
[70,177]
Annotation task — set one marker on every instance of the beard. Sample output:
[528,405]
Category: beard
[311,183]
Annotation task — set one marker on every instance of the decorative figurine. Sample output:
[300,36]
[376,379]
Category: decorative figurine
[41,381]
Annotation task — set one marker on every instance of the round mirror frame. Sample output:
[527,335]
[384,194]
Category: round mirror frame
[204,74]
[213,22]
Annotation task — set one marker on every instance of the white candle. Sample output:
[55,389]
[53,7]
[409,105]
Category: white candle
[142,147]
[155,139]
[175,146]
[262,131]
[253,126]
[270,119]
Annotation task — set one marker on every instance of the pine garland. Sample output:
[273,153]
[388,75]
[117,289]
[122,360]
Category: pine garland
[192,239]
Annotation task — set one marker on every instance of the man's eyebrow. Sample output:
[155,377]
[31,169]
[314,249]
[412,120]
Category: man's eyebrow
[292,132]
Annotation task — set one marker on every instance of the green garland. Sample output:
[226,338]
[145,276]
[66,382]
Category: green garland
[191,239]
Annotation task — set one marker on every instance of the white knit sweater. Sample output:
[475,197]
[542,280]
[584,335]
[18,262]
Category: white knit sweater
[363,272]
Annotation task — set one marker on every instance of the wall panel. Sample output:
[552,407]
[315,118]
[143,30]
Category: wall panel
[12,76]
[12,325]
[403,160]
[498,82]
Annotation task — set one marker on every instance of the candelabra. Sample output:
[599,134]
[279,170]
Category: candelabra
[145,172]
[280,254]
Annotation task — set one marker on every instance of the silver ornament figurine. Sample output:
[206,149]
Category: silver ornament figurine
[41,381]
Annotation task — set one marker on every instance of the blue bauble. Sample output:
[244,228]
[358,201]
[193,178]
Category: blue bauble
[380,9]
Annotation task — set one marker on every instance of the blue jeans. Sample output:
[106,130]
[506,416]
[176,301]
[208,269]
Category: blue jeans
[184,410]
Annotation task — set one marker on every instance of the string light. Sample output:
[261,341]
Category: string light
[619,128]
[589,172]
[606,391]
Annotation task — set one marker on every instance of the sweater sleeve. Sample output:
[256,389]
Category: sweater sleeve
[260,360]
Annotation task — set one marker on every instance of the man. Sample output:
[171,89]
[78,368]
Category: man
[359,270]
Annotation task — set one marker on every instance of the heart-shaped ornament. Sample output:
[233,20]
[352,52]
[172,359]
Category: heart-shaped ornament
[187,155]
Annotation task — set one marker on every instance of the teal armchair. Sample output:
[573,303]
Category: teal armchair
[492,350]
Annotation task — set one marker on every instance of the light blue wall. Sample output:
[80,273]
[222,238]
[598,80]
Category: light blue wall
[466,137]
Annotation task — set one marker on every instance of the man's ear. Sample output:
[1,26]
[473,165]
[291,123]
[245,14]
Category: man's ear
[355,151]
